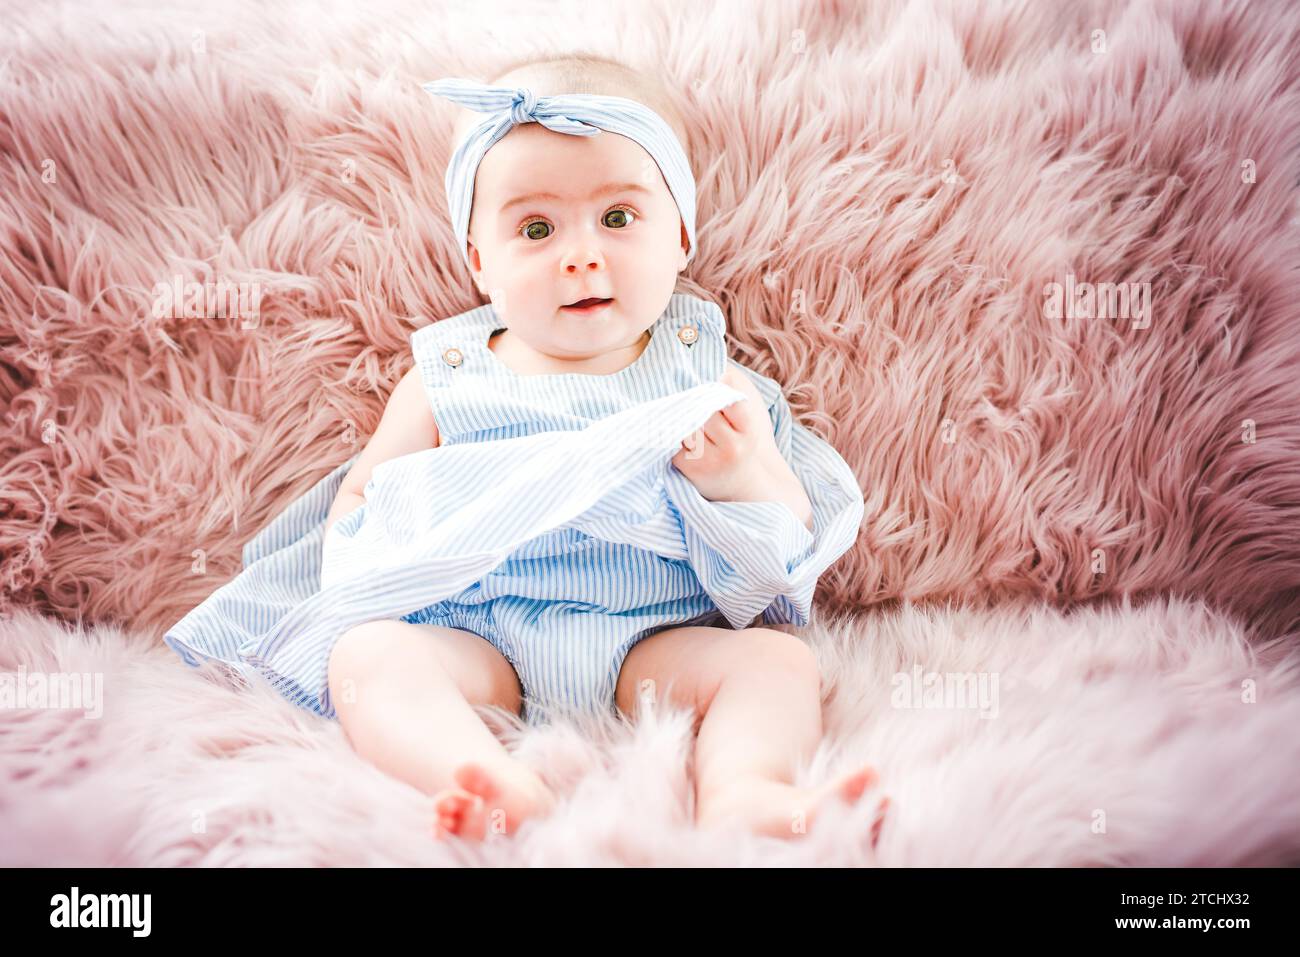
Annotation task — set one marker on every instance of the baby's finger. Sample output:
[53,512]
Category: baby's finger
[717,429]
[749,414]
[737,416]
[699,437]
[695,444]
[684,456]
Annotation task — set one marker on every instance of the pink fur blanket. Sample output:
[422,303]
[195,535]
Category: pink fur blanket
[1030,266]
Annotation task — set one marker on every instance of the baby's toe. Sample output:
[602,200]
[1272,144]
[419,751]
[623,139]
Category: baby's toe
[854,784]
[453,809]
[878,822]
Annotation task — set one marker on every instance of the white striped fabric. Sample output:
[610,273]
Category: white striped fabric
[549,520]
[577,114]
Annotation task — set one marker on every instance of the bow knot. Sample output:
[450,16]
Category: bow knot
[524,108]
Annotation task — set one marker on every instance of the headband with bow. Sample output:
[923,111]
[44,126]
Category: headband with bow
[578,114]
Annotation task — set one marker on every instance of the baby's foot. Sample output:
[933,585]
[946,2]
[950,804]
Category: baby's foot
[778,809]
[484,799]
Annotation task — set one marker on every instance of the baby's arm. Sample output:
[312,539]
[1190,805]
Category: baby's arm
[760,555]
[407,426]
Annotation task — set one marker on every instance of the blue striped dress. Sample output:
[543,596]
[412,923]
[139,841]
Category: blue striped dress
[549,521]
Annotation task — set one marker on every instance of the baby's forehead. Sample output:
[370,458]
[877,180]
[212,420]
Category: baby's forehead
[611,156]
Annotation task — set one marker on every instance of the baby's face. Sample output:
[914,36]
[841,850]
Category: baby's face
[533,256]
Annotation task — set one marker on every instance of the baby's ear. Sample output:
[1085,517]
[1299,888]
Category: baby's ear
[686,245]
[475,266]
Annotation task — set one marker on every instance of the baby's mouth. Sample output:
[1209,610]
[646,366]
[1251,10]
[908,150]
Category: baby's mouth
[583,305]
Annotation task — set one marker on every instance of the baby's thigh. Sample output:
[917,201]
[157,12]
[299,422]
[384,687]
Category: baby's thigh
[402,656]
[686,665]
[676,665]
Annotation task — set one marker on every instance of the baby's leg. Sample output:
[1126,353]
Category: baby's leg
[405,695]
[756,693]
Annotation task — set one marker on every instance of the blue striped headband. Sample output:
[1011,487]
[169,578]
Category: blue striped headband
[578,114]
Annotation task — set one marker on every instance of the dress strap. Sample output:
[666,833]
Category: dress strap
[440,348]
[700,329]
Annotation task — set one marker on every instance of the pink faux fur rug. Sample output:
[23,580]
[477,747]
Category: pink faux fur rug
[887,193]
[1150,736]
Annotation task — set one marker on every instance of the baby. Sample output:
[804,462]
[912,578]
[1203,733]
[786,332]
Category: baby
[574,206]
[557,221]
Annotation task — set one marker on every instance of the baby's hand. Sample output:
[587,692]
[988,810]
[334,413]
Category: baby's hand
[731,457]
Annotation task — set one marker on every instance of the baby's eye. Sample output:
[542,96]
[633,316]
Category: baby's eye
[618,217]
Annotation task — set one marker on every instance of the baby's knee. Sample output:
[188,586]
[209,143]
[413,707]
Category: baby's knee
[358,654]
[399,657]
[772,650]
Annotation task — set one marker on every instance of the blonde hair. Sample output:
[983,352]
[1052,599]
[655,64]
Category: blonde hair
[583,73]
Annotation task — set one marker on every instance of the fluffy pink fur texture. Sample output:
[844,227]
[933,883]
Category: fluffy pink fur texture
[1148,736]
[886,191]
